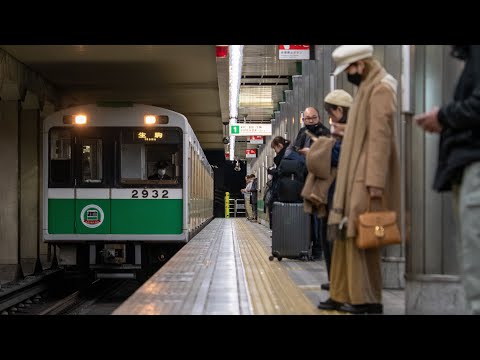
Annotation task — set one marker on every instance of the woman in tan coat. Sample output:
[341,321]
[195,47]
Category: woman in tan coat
[368,167]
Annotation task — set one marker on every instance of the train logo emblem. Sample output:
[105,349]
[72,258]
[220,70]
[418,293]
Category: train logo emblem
[92,216]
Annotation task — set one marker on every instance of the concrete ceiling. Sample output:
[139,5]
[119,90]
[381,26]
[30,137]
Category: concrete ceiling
[182,78]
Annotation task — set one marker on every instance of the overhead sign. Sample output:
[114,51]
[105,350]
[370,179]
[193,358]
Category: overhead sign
[256,139]
[251,153]
[294,52]
[251,129]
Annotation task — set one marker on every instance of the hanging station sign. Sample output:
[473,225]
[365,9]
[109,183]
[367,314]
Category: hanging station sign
[256,139]
[251,129]
[294,52]
[250,153]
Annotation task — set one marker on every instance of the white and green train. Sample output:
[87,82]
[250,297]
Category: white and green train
[105,208]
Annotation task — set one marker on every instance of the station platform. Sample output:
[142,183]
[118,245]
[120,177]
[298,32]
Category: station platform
[225,270]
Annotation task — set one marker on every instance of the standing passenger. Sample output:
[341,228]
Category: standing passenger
[254,196]
[368,167]
[458,168]
[337,103]
[313,123]
[279,145]
[267,196]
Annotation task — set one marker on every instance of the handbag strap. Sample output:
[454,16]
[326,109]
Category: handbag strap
[369,202]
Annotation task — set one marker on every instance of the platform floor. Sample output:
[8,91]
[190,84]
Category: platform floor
[225,270]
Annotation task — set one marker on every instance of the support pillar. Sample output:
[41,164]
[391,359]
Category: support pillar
[10,267]
[29,185]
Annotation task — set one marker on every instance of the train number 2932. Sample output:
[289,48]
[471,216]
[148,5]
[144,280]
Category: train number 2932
[144,194]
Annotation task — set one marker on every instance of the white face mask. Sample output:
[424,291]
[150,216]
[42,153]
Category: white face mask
[269,177]
[161,172]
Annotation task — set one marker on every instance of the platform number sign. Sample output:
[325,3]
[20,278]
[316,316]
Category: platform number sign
[235,129]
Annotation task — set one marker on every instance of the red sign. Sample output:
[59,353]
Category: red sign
[294,47]
[251,153]
[222,51]
[294,52]
[227,156]
[256,139]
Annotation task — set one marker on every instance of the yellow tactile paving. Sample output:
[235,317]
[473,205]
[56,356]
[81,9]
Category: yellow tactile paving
[272,292]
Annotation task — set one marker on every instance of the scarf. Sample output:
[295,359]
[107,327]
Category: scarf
[353,141]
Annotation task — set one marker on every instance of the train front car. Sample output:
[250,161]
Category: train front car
[115,187]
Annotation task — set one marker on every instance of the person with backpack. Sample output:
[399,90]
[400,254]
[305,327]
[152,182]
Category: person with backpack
[301,146]
[279,145]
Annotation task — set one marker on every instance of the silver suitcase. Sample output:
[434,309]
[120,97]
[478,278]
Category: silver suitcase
[290,232]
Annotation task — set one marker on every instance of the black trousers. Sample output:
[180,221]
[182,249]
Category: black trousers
[327,246]
[316,243]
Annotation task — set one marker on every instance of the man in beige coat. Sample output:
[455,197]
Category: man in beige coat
[368,167]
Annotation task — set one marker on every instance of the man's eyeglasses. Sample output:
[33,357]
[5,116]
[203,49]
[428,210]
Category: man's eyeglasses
[310,118]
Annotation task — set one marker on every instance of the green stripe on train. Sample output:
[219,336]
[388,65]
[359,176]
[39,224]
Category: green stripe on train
[126,216]
[61,216]
[147,216]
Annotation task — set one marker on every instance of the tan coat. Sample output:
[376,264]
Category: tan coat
[320,176]
[378,164]
[356,274]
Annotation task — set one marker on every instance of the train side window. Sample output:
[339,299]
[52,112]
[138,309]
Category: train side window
[92,159]
[60,156]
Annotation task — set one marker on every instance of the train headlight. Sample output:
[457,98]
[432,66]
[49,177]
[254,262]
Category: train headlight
[155,119]
[79,119]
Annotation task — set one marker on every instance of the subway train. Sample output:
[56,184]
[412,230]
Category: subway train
[124,188]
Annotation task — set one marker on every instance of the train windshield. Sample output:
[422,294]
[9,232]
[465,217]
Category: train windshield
[151,156]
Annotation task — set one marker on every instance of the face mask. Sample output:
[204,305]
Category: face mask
[312,128]
[161,172]
[355,79]
[269,177]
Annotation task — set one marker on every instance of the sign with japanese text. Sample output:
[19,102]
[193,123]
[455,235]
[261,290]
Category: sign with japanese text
[256,139]
[251,153]
[294,52]
[251,129]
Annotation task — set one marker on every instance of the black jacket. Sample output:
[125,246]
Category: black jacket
[460,137]
[303,140]
[274,172]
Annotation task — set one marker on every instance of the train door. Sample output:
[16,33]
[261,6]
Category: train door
[93,179]
[146,201]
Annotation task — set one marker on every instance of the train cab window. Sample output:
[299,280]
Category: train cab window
[60,156]
[151,157]
[92,170]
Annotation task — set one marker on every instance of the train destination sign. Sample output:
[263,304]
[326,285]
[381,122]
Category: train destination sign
[149,136]
[251,129]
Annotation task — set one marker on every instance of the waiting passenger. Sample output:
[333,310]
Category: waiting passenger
[369,167]
[458,167]
[302,143]
[267,195]
[161,173]
[254,196]
[337,103]
[279,145]
[246,194]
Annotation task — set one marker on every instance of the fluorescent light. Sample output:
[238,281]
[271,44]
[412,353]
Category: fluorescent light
[235,62]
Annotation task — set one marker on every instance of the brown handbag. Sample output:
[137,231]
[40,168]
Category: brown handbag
[377,228]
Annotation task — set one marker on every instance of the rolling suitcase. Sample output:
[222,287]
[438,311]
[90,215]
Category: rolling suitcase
[290,232]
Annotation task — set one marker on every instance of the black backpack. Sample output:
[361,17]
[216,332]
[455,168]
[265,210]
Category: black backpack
[291,178]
